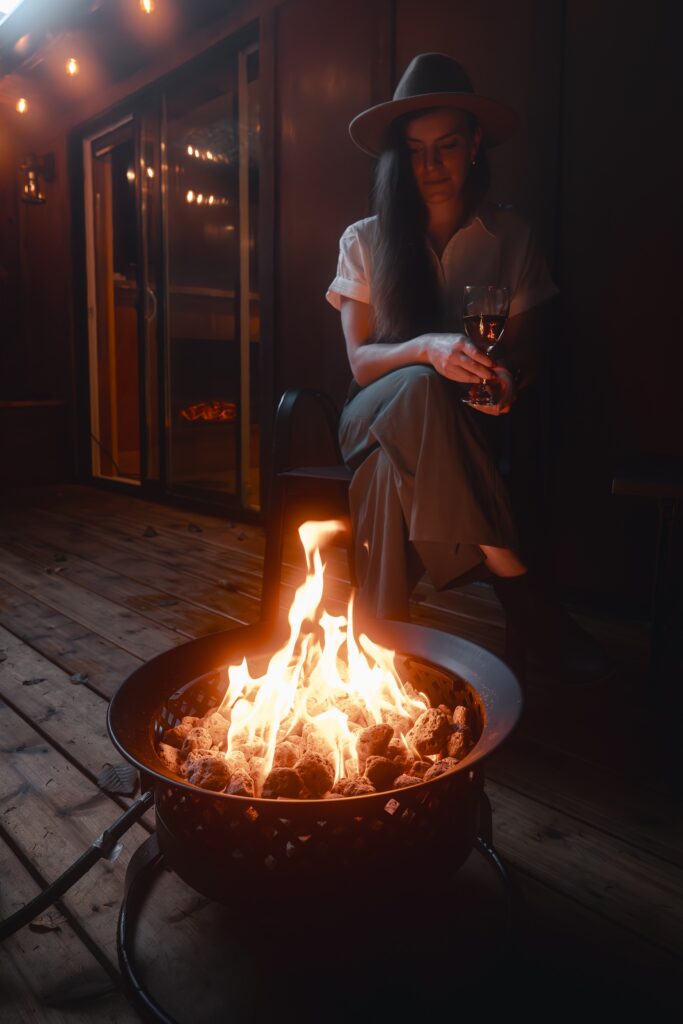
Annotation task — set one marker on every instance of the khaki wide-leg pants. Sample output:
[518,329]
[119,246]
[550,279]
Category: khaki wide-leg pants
[426,490]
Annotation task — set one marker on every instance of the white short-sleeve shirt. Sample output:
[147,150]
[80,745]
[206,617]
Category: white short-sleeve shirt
[496,245]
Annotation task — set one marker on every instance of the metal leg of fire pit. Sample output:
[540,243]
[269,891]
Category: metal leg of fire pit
[484,843]
[148,861]
[143,868]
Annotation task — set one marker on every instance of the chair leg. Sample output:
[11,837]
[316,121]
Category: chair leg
[515,651]
[272,561]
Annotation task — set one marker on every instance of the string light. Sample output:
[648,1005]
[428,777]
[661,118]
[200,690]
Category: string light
[130,174]
[207,154]
[22,105]
[150,172]
[72,67]
[201,199]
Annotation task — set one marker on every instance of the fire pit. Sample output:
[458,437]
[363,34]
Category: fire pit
[295,862]
[231,844]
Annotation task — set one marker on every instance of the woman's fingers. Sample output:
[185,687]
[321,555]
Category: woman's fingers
[456,371]
[471,352]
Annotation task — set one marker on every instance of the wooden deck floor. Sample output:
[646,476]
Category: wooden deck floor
[584,814]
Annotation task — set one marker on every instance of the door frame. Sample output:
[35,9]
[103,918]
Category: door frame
[91,302]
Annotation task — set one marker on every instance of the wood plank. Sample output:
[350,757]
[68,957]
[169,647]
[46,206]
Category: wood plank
[640,812]
[53,812]
[119,625]
[163,607]
[157,561]
[245,539]
[65,642]
[200,558]
[71,717]
[560,951]
[50,976]
[628,886]
[247,542]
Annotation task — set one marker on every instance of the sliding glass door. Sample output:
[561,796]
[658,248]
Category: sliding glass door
[172,200]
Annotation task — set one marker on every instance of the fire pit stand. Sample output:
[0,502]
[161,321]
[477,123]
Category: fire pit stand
[148,862]
[255,855]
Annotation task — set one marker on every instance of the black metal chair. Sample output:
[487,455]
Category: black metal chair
[315,491]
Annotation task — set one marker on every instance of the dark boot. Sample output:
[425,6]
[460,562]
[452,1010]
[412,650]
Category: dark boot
[570,655]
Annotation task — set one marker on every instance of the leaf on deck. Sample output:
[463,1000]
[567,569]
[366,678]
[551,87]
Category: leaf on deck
[118,778]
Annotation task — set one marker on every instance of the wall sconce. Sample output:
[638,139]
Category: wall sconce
[35,167]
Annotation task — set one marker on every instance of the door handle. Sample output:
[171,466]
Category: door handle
[150,303]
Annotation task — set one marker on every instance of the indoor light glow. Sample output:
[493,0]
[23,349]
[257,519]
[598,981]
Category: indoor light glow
[22,105]
[72,67]
[147,6]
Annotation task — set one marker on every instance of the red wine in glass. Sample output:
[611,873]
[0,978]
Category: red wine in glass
[485,312]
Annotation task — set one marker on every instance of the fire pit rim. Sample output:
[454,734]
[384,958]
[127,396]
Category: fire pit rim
[381,631]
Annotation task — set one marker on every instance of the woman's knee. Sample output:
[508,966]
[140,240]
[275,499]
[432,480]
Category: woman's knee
[422,385]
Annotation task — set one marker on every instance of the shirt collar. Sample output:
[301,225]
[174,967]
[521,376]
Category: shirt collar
[482,219]
[484,215]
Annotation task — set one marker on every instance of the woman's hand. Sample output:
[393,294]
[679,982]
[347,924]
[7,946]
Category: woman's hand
[508,393]
[456,357]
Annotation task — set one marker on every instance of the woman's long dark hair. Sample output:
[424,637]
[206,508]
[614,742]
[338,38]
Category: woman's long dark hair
[406,296]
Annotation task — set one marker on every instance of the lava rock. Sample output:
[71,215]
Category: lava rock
[381,772]
[209,772]
[197,738]
[373,741]
[170,756]
[406,780]
[461,717]
[440,768]
[286,755]
[237,762]
[458,745]
[430,732]
[315,772]
[178,734]
[354,785]
[218,727]
[282,782]
[241,784]
[397,752]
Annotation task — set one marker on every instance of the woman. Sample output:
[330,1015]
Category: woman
[426,491]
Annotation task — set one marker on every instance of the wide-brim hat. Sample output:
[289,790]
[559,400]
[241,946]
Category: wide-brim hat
[433,80]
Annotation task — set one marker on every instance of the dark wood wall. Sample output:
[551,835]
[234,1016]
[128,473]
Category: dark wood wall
[11,329]
[593,167]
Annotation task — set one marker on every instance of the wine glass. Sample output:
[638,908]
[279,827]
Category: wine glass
[484,314]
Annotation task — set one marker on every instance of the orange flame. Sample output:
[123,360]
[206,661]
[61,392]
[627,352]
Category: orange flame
[318,672]
[224,411]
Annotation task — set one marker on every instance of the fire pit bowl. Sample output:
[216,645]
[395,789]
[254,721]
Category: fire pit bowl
[231,847]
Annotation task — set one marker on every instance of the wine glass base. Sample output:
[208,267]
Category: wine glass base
[475,401]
